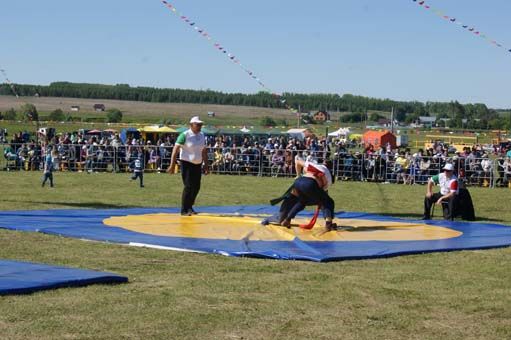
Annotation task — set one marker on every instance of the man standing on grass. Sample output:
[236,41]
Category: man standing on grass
[191,146]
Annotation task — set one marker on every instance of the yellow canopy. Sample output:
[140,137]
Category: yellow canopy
[156,128]
[166,129]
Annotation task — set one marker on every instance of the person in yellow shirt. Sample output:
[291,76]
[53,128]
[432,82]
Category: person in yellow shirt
[401,166]
[218,160]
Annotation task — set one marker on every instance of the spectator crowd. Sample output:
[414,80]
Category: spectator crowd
[262,155]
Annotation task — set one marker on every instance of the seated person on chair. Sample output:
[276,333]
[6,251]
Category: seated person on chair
[448,190]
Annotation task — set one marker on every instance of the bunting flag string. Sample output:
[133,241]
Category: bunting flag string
[9,82]
[453,20]
[202,32]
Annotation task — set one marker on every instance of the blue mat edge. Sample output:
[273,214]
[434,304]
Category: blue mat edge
[100,278]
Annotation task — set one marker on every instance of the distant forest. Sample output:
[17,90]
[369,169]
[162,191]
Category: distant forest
[468,115]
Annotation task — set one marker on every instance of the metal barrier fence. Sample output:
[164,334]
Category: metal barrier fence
[257,162]
[82,157]
[473,171]
[254,161]
[239,161]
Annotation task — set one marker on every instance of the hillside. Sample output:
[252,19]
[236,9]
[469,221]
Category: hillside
[151,112]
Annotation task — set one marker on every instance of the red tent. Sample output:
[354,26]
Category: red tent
[379,138]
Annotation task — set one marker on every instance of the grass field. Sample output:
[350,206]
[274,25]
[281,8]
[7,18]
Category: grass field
[173,295]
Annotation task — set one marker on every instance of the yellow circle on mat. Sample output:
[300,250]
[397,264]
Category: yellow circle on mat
[236,227]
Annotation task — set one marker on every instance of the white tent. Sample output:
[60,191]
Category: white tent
[244,129]
[342,132]
[291,131]
[297,133]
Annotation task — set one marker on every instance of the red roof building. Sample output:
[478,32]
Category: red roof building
[379,139]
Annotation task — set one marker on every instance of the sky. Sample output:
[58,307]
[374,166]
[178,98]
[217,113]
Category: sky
[383,49]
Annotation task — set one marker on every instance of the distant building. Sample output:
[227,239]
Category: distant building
[384,122]
[99,107]
[321,116]
[379,138]
[426,121]
[402,140]
[75,108]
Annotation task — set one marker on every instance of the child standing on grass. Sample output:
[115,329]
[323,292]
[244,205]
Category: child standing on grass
[138,170]
[48,168]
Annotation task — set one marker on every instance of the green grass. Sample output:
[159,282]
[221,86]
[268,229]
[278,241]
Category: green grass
[456,295]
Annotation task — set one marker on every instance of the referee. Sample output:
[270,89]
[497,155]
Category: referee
[191,146]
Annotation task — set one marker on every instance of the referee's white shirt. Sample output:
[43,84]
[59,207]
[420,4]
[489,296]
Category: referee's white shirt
[191,146]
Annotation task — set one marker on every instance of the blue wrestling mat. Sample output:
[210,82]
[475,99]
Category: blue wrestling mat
[25,277]
[236,231]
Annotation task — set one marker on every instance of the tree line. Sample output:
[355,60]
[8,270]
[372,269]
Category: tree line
[452,113]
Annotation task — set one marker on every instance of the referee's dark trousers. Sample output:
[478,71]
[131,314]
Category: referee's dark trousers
[191,175]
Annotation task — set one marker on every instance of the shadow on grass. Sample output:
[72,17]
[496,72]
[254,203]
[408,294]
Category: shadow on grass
[88,205]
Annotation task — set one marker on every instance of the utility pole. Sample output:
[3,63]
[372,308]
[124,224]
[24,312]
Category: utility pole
[298,115]
[392,120]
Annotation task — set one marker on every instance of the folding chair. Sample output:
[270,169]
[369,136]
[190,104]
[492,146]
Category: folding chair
[445,205]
